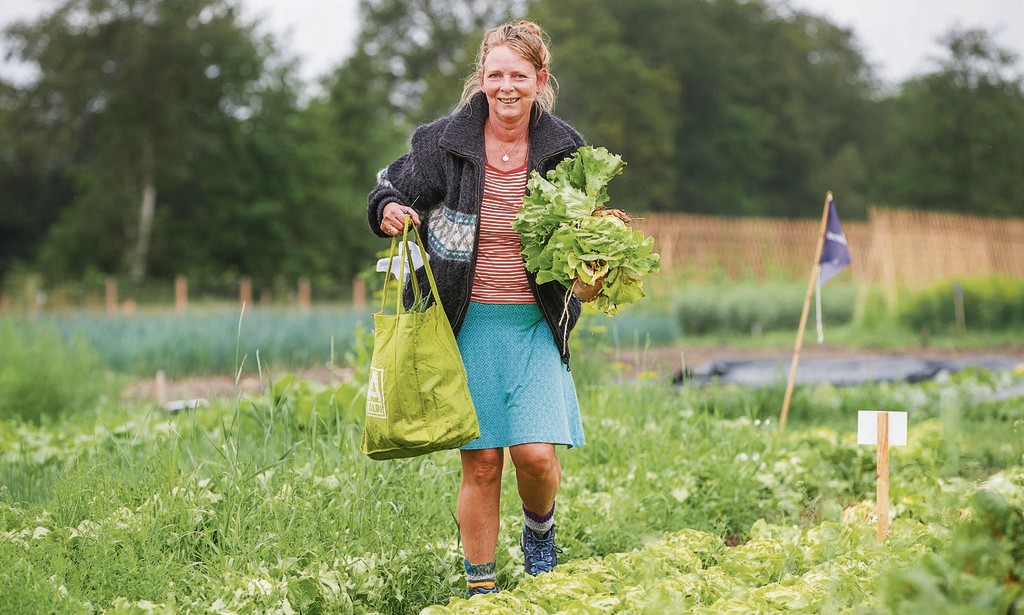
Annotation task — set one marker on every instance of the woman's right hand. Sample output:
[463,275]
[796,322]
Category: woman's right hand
[394,218]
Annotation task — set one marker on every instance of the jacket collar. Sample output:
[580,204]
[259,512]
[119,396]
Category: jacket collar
[464,134]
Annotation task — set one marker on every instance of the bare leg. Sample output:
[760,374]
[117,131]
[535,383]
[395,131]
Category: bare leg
[538,475]
[479,500]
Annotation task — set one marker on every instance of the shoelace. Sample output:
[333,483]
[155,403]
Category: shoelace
[544,554]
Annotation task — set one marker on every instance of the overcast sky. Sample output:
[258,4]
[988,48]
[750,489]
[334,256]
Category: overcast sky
[896,36]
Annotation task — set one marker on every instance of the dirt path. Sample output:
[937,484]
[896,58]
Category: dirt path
[659,363]
[162,390]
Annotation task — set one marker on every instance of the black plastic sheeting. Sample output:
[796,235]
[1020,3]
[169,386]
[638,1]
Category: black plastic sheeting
[837,370]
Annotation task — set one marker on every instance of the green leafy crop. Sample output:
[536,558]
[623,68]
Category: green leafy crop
[568,235]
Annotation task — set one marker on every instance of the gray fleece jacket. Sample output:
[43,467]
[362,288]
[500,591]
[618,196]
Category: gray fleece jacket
[442,178]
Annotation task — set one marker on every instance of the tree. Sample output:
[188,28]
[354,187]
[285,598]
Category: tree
[32,179]
[615,97]
[407,67]
[367,132]
[135,87]
[957,132]
[426,47]
[724,107]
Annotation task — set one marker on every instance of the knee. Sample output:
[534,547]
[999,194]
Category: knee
[537,464]
[483,469]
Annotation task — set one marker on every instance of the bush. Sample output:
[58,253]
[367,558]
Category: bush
[41,375]
[757,308]
[991,303]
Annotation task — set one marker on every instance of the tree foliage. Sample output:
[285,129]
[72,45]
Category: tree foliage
[165,137]
[721,107]
[618,99]
[186,101]
[133,87]
[426,47]
[956,133]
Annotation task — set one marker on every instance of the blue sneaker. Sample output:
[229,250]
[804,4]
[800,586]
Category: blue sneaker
[476,591]
[539,553]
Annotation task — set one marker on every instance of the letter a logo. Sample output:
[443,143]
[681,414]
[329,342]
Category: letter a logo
[375,394]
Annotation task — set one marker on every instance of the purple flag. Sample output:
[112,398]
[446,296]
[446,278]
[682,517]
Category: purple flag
[835,255]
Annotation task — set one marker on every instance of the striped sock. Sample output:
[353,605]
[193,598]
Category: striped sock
[483,576]
[540,524]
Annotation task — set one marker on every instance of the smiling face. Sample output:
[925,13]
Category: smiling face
[511,84]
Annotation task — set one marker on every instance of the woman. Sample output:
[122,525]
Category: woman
[462,183]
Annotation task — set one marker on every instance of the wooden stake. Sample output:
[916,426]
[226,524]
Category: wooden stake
[110,295]
[358,293]
[803,315]
[245,290]
[305,294]
[882,486]
[180,293]
[958,306]
[161,387]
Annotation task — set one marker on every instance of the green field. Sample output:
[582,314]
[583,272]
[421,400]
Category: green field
[684,499]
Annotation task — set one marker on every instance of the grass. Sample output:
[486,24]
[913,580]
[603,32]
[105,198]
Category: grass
[242,505]
[43,375]
[259,500]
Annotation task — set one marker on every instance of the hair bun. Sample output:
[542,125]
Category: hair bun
[530,27]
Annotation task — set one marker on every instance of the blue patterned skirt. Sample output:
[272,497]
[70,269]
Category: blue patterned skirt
[520,387]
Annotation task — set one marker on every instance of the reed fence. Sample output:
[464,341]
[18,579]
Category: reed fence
[893,249]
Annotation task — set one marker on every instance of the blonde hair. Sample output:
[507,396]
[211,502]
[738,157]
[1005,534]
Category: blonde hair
[527,40]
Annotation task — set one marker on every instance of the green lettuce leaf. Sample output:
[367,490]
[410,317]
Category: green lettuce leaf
[565,238]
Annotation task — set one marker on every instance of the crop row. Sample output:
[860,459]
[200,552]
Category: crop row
[265,504]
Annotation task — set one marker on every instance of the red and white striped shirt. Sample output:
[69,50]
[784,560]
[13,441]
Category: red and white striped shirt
[500,276]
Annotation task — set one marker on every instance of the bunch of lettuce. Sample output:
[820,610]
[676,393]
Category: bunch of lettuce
[568,234]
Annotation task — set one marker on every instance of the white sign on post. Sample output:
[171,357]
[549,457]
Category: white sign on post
[883,429]
[867,427]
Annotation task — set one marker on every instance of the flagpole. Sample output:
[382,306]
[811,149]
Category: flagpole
[803,315]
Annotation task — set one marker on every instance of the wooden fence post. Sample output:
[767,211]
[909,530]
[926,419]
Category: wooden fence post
[160,387]
[110,298]
[305,294]
[180,293]
[359,293]
[958,306]
[245,290]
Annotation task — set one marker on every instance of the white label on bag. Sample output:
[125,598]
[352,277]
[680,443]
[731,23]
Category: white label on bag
[375,394]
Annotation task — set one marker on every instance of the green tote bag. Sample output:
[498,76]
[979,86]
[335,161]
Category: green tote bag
[417,396]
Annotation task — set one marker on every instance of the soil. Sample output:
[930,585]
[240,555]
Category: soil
[661,363]
[161,390]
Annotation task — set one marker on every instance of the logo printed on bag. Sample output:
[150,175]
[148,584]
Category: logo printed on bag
[375,394]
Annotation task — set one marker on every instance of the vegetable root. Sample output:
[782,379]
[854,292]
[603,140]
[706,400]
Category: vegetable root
[587,292]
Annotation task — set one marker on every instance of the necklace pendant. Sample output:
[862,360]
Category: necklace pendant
[505,157]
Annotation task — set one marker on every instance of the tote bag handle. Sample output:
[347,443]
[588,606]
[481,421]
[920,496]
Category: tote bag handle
[417,293]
